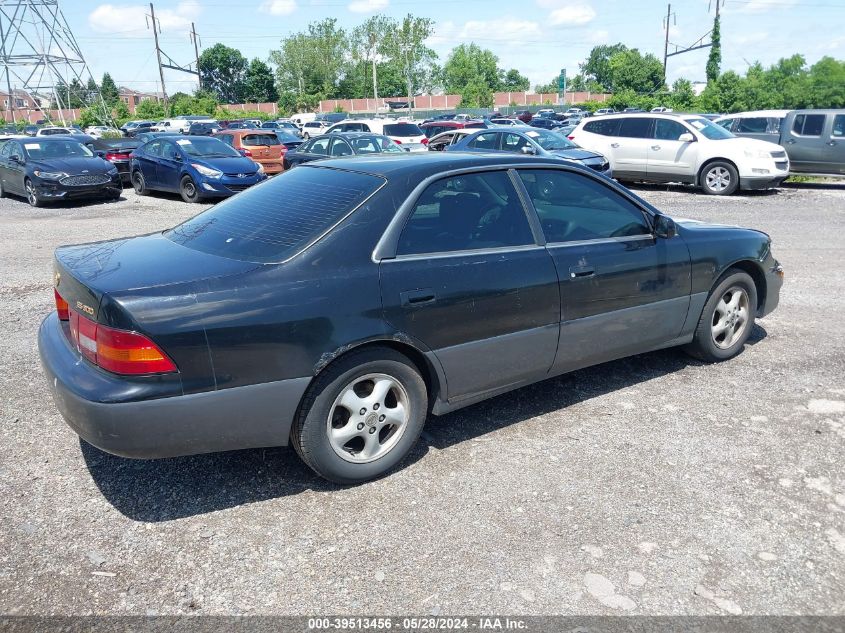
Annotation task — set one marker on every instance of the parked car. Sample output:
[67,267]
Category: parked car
[341,144]
[546,124]
[314,128]
[284,316]
[203,128]
[814,140]
[523,115]
[179,126]
[404,133]
[197,167]
[545,113]
[239,125]
[31,130]
[301,118]
[631,110]
[506,121]
[55,168]
[146,137]
[265,147]
[97,131]
[604,111]
[683,148]
[441,117]
[530,141]
[52,130]
[441,141]
[436,127]
[117,151]
[282,126]
[662,109]
[136,127]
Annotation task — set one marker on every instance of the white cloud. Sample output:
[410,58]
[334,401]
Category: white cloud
[504,30]
[760,6]
[568,14]
[130,20]
[599,37]
[278,7]
[368,6]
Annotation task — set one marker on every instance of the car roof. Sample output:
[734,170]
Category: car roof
[243,131]
[419,166]
[754,113]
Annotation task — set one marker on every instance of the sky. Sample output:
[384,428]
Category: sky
[537,37]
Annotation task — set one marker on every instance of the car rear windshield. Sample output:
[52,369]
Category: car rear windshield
[274,221]
[402,129]
[251,140]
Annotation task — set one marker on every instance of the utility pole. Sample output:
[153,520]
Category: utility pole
[158,52]
[666,42]
[196,52]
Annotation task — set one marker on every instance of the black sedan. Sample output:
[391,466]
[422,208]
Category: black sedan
[410,285]
[339,144]
[203,128]
[532,141]
[546,124]
[115,150]
[53,168]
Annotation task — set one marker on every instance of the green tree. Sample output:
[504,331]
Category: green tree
[406,46]
[597,65]
[682,96]
[630,70]
[109,90]
[223,72]
[513,81]
[476,94]
[714,60]
[293,65]
[329,47]
[826,84]
[470,68]
[259,85]
[368,44]
[150,110]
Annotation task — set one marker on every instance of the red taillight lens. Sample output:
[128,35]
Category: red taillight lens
[117,351]
[61,306]
[397,141]
[116,156]
[571,138]
[247,153]
[424,141]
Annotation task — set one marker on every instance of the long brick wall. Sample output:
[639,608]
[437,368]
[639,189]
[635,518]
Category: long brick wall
[32,115]
[447,102]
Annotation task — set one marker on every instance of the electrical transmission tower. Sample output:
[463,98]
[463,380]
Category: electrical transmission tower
[38,52]
[680,50]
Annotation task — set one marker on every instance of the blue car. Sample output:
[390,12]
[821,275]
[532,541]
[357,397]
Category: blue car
[197,167]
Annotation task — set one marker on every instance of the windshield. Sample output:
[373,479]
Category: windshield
[56,149]
[205,146]
[709,129]
[549,140]
[278,218]
[286,137]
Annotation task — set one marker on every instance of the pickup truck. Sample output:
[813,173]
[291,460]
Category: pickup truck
[813,139]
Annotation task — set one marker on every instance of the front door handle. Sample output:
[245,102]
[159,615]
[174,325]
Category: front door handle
[791,141]
[580,272]
[831,143]
[655,147]
[415,298]
[614,145]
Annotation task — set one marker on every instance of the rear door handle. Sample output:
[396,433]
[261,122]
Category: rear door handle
[414,298]
[655,147]
[614,145]
[579,272]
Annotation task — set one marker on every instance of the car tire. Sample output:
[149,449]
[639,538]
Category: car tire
[2,191]
[189,190]
[719,178]
[32,194]
[306,136]
[139,184]
[347,398]
[727,319]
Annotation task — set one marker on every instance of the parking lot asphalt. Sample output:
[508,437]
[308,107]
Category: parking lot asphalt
[651,485]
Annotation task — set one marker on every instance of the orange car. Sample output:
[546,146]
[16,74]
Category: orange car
[265,147]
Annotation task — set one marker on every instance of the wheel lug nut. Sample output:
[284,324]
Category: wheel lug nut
[381,418]
[363,410]
[372,430]
[360,425]
[376,406]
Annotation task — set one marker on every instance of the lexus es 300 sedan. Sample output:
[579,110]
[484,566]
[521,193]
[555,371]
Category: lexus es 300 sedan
[411,285]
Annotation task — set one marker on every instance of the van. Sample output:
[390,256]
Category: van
[407,134]
[762,124]
[180,126]
[302,118]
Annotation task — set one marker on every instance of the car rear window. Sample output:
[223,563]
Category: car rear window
[252,140]
[279,218]
[402,129]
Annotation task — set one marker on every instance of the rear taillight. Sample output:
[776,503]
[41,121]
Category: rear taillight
[116,156]
[424,141]
[571,138]
[117,351]
[61,306]
[397,141]
[246,152]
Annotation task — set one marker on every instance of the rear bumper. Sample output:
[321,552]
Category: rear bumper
[98,408]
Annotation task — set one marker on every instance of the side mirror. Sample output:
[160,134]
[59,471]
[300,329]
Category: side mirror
[528,150]
[15,159]
[177,157]
[686,137]
[664,227]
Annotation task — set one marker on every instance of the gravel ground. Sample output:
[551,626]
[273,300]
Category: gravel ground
[652,485]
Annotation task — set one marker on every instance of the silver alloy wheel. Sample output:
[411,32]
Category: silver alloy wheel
[730,318]
[190,188]
[31,194]
[368,418]
[718,178]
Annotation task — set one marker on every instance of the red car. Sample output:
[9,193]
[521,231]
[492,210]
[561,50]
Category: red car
[523,115]
[433,128]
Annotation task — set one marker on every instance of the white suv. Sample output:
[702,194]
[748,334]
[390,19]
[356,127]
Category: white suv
[682,148]
[404,133]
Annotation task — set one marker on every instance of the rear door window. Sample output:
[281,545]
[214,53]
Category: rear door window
[606,127]
[838,126]
[340,148]
[666,130]
[753,125]
[808,124]
[636,127]
[488,141]
[467,212]
[320,146]
[573,207]
[274,221]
